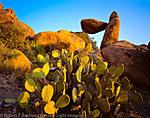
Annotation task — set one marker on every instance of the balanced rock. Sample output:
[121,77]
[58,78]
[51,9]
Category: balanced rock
[60,39]
[135,58]
[13,60]
[92,26]
[11,28]
[111,34]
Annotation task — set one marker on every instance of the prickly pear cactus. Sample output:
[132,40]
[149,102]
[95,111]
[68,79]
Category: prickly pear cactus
[104,105]
[72,82]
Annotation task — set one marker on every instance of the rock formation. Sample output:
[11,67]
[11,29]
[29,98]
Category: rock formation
[60,39]
[112,30]
[135,58]
[11,28]
[13,60]
[1,6]
[92,26]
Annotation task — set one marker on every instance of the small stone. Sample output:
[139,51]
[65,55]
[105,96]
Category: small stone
[112,30]
[92,26]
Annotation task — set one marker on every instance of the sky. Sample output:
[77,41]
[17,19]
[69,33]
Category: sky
[54,15]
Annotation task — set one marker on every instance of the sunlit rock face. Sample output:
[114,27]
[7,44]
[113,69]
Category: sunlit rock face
[111,34]
[1,6]
[11,28]
[60,39]
[14,60]
[135,58]
[92,26]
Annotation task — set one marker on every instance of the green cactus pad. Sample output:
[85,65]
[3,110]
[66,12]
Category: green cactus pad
[117,90]
[23,99]
[95,102]
[40,58]
[59,87]
[49,108]
[108,93]
[101,68]
[136,98]
[122,98]
[110,84]
[125,83]
[10,100]
[104,105]
[38,73]
[98,87]
[30,85]
[86,105]
[81,89]
[88,96]
[74,94]
[95,113]
[112,70]
[62,101]
[47,93]
[119,71]
[55,53]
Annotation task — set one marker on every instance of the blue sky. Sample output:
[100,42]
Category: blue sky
[54,15]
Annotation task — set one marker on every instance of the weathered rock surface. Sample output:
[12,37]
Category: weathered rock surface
[60,39]
[83,35]
[92,26]
[11,28]
[135,58]
[111,34]
[14,60]
[1,6]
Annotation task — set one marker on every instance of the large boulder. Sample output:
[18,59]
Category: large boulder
[92,26]
[135,58]
[11,29]
[111,34]
[60,39]
[13,60]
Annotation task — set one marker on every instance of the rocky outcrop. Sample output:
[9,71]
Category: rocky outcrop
[1,6]
[11,28]
[60,39]
[135,58]
[111,34]
[13,60]
[92,26]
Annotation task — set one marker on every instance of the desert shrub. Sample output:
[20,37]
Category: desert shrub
[13,36]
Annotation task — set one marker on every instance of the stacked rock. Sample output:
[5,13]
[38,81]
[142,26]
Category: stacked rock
[134,57]
[92,26]
[111,35]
